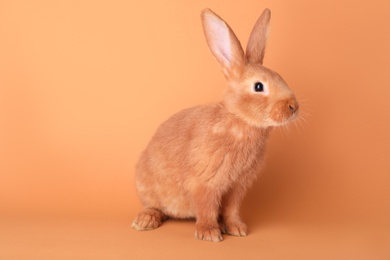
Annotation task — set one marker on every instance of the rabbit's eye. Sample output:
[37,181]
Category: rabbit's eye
[259,87]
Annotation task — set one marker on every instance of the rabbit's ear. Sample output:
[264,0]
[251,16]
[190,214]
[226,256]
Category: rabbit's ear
[222,42]
[257,41]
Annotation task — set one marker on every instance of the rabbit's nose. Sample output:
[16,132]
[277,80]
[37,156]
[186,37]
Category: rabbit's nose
[293,105]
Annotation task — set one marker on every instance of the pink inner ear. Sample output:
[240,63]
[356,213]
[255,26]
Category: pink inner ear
[220,41]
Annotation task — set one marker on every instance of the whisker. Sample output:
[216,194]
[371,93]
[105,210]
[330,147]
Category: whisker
[300,125]
[288,131]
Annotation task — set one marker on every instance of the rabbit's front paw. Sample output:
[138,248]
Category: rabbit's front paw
[148,219]
[208,234]
[235,228]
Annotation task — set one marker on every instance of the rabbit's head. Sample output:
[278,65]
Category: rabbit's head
[255,93]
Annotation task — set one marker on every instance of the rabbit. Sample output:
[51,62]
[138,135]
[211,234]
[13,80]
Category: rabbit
[201,161]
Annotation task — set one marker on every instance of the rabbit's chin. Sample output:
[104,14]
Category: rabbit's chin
[273,123]
[269,123]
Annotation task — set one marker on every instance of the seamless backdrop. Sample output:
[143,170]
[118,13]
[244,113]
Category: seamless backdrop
[84,84]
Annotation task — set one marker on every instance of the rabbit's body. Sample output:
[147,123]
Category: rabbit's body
[190,152]
[201,161]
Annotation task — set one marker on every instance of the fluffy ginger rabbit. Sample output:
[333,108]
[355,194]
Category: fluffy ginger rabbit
[201,161]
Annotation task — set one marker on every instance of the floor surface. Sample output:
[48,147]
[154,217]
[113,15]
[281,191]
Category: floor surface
[114,239]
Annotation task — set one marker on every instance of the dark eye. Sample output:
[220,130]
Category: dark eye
[259,87]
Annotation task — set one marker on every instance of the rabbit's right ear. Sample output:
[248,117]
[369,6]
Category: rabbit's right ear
[223,43]
[257,40]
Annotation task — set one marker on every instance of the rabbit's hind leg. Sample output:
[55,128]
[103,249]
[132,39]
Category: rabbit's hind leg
[148,219]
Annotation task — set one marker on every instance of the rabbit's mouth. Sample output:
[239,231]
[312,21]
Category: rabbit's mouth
[284,111]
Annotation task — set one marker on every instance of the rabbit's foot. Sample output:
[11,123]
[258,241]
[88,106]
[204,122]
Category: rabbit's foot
[208,234]
[234,228]
[148,219]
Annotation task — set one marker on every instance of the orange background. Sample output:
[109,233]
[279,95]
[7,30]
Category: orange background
[84,84]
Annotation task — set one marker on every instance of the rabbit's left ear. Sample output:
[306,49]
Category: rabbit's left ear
[223,43]
[255,48]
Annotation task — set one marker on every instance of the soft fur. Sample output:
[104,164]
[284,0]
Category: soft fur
[201,161]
